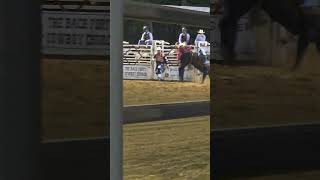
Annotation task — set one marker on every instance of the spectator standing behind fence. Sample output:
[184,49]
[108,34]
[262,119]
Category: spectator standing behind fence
[147,37]
[201,37]
[184,36]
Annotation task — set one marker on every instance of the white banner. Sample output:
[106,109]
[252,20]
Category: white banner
[75,33]
[173,72]
[246,41]
[137,72]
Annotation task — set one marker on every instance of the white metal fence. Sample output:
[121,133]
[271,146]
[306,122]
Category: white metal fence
[138,61]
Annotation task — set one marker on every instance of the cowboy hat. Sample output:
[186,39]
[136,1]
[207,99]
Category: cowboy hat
[201,31]
[158,48]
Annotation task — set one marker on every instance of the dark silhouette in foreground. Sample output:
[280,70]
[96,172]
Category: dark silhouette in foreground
[288,13]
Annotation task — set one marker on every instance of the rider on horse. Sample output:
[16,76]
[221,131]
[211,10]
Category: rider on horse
[182,48]
[161,61]
[147,37]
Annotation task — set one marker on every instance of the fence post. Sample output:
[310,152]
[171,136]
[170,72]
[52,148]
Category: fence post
[116,80]
[20,89]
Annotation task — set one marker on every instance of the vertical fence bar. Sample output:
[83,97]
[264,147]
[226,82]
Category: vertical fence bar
[19,89]
[116,80]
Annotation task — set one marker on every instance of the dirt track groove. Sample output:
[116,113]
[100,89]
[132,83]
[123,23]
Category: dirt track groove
[175,149]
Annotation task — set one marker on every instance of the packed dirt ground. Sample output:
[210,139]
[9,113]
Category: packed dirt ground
[247,96]
[304,175]
[75,96]
[174,149]
[75,105]
[263,95]
[243,96]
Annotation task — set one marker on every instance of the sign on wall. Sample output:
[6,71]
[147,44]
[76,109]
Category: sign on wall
[137,72]
[81,32]
[173,74]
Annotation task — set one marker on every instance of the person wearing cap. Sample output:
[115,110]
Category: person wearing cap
[184,36]
[161,61]
[147,37]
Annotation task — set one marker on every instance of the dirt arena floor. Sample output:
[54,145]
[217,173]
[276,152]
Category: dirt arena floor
[174,149]
[75,106]
[306,175]
[75,96]
[244,96]
[74,99]
[261,96]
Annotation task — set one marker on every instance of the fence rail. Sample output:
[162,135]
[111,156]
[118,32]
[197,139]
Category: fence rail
[166,111]
[139,63]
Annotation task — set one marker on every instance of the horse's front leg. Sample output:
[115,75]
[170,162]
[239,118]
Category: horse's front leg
[181,73]
[302,46]
[228,39]
[203,78]
[205,73]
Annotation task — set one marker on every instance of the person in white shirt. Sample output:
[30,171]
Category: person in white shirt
[201,37]
[184,36]
[147,37]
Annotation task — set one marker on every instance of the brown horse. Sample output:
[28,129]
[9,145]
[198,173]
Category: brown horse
[197,61]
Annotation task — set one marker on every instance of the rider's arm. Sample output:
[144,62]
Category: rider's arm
[142,37]
[151,36]
[180,38]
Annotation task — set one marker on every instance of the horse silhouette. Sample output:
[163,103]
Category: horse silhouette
[197,61]
[288,13]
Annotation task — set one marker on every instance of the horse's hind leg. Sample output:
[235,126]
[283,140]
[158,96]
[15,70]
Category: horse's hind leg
[203,78]
[228,38]
[301,49]
[181,73]
[318,46]
[233,10]
[205,73]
